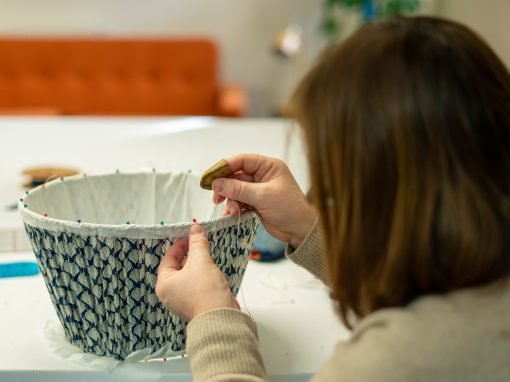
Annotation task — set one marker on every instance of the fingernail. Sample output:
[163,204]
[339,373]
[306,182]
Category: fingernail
[196,229]
[218,185]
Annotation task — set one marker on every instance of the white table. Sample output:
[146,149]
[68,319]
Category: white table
[295,319]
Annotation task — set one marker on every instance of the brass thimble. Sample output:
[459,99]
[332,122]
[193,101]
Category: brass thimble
[219,170]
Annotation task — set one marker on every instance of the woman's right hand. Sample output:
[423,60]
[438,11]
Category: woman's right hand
[267,185]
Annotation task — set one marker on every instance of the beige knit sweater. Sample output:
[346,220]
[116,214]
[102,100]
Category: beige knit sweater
[462,336]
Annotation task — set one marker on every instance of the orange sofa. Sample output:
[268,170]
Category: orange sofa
[114,77]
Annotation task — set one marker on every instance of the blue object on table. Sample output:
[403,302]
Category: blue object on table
[18,269]
[267,246]
[369,10]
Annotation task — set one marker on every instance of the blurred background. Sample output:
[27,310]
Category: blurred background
[67,67]
[262,49]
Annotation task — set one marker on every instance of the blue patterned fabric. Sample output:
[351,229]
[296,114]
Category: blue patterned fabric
[102,288]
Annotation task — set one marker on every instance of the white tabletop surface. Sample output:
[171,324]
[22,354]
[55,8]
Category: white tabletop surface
[297,325]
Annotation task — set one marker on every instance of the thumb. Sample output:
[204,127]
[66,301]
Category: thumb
[172,261]
[198,243]
[241,191]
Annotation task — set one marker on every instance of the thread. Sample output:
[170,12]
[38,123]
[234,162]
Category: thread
[237,248]
[216,200]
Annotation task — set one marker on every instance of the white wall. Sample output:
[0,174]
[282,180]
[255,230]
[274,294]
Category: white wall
[244,28]
[490,18]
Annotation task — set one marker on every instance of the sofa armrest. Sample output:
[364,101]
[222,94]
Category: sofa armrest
[232,101]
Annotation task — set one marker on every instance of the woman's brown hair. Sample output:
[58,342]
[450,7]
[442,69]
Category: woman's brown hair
[407,125]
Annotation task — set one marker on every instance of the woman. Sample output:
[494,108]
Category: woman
[407,125]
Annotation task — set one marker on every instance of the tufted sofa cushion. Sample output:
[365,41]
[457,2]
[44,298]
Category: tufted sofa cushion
[114,77]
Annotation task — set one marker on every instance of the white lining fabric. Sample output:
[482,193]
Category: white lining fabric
[105,203]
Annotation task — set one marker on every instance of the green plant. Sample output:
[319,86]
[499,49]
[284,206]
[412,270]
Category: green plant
[369,10]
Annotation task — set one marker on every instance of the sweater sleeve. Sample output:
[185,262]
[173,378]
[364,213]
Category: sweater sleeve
[310,254]
[222,345]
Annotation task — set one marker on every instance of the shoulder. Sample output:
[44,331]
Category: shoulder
[461,336]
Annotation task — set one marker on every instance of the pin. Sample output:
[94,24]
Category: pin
[194,220]
[128,222]
[45,215]
[79,221]
[162,222]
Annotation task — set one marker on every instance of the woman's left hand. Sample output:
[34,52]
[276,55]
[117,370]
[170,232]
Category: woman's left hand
[189,282]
